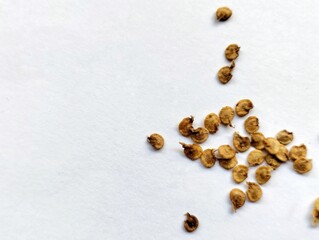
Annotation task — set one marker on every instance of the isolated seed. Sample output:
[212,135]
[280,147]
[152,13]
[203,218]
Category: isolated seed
[191,223]
[232,52]
[251,124]
[240,173]
[257,140]
[241,143]
[186,125]
[254,192]
[223,13]
[225,73]
[226,152]
[298,152]
[282,154]
[255,157]
[237,198]
[199,135]
[285,137]
[192,151]
[156,140]
[228,163]
[272,161]
[302,165]
[272,145]
[263,174]
[208,158]
[212,122]
[226,115]
[315,212]
[243,107]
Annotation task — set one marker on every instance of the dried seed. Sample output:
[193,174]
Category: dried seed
[192,151]
[315,212]
[272,145]
[212,122]
[263,174]
[240,173]
[241,143]
[232,52]
[226,116]
[302,165]
[186,125]
[254,192]
[208,158]
[282,154]
[272,161]
[285,137]
[199,135]
[298,152]
[191,223]
[255,157]
[252,124]
[243,107]
[156,140]
[226,152]
[223,13]
[225,73]
[237,198]
[257,140]
[228,163]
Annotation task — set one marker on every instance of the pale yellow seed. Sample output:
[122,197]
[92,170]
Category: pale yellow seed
[254,192]
[208,158]
[212,122]
[285,137]
[272,145]
[226,116]
[226,152]
[237,198]
[272,161]
[263,174]
[240,173]
[302,165]
[298,152]
[241,143]
[255,157]
[232,52]
[257,140]
[282,154]
[228,163]
[243,107]
[251,124]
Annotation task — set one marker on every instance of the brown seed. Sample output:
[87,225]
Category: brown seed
[208,158]
[252,124]
[302,165]
[315,212]
[199,135]
[228,163]
[191,223]
[272,145]
[156,140]
[225,73]
[257,140]
[240,173]
[192,151]
[237,198]
[232,52]
[285,137]
[254,192]
[263,174]
[241,143]
[212,122]
[223,13]
[282,154]
[186,125]
[255,157]
[243,107]
[226,116]
[272,161]
[226,152]
[298,152]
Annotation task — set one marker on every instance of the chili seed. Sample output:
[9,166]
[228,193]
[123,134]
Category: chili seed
[226,116]
[192,151]
[272,161]
[191,223]
[237,198]
[156,140]
[285,137]
[212,122]
[185,126]
[199,135]
[257,140]
[282,154]
[272,145]
[243,107]
[254,192]
[251,124]
[208,158]
[225,73]
[223,14]
[241,143]
[263,174]
[298,152]
[228,163]
[226,152]
[302,165]
[240,173]
[255,157]
[232,52]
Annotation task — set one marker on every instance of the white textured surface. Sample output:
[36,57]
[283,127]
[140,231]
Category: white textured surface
[84,82]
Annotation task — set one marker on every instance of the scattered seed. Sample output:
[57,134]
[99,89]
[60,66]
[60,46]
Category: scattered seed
[223,13]
[228,163]
[241,143]
[243,107]
[257,140]
[199,135]
[252,124]
[302,165]
[225,73]
[226,152]
[208,158]
[156,140]
[237,198]
[255,157]
[298,152]
[263,174]
[272,161]
[232,52]
[282,154]
[272,145]
[254,192]
[285,137]
[212,122]
[240,173]
[186,125]
[315,212]
[191,223]
[192,151]
[226,116]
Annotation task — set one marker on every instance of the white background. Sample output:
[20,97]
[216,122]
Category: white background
[82,83]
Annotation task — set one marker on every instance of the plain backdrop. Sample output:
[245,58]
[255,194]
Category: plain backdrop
[82,84]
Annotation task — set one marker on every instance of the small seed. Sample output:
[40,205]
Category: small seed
[255,157]
[225,73]
[228,163]
[208,158]
[240,173]
[272,161]
[302,165]
[298,152]
[186,125]
[212,122]
[226,152]
[285,137]
[226,116]
[254,192]
[199,135]
[252,124]
[223,13]
[243,107]
[191,223]
[232,52]
[192,151]
[282,154]
[263,174]
[257,140]
[237,198]
[315,213]
[241,143]
[272,145]
[156,140]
